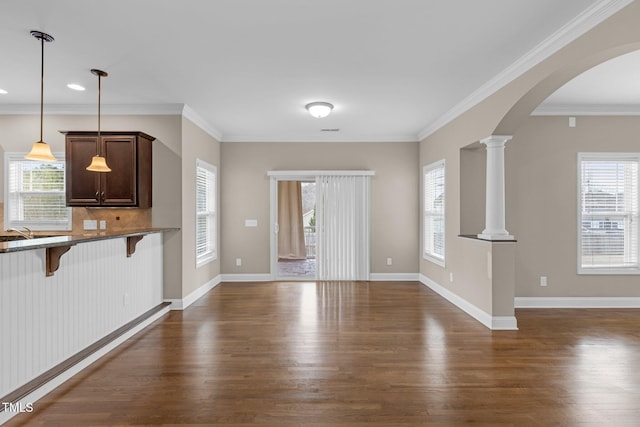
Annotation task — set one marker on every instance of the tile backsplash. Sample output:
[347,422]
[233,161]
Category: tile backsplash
[116,219]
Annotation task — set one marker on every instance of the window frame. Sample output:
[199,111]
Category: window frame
[605,270]
[211,213]
[427,254]
[67,225]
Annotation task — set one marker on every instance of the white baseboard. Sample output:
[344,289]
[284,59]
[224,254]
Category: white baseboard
[181,304]
[491,322]
[577,302]
[394,277]
[504,323]
[247,278]
[67,374]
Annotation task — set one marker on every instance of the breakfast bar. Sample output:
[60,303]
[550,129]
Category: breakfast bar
[103,281]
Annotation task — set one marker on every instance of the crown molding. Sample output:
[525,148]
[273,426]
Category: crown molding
[114,110]
[190,114]
[587,110]
[328,138]
[584,22]
[85,109]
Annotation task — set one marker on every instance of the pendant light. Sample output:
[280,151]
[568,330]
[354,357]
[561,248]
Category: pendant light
[99,163]
[40,150]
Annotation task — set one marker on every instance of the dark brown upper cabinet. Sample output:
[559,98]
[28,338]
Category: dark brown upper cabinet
[128,154]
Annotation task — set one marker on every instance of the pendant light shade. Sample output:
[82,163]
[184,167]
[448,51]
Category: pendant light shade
[40,150]
[99,163]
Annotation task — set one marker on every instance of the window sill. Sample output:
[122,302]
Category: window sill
[205,259]
[608,271]
[434,260]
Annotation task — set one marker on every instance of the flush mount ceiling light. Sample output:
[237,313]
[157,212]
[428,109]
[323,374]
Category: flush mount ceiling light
[75,86]
[99,163]
[3,92]
[40,150]
[319,109]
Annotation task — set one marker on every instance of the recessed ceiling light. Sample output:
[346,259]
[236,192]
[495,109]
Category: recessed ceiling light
[3,92]
[75,86]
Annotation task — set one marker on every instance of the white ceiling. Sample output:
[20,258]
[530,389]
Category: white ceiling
[612,87]
[394,69]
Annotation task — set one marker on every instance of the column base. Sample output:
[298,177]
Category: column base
[484,236]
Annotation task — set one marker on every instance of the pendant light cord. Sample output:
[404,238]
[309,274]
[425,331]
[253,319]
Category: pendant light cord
[99,93]
[41,86]
[100,75]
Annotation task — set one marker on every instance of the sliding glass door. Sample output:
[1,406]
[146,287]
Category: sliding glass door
[335,235]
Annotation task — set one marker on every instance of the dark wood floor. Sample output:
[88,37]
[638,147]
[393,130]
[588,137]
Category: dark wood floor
[357,354]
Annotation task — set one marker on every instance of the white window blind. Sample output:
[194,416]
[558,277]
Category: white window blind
[434,212]
[35,194]
[206,223]
[608,213]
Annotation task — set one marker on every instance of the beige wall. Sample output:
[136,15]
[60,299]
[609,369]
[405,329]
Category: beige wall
[473,170]
[20,131]
[394,198]
[541,175]
[465,259]
[503,113]
[196,144]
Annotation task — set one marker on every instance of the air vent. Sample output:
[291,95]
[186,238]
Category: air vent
[330,130]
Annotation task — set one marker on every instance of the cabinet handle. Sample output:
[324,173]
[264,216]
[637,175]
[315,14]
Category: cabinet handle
[102,196]
[97,194]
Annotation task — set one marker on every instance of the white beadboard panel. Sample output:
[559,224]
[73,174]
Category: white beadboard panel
[45,320]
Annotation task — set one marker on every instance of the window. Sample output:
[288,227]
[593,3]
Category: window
[608,213]
[206,223]
[34,194]
[434,205]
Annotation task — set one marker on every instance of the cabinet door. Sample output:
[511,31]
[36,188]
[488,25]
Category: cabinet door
[83,187]
[118,187]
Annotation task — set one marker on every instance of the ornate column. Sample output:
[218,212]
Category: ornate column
[495,205]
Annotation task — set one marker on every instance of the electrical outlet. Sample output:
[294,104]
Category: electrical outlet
[103,224]
[451,277]
[389,261]
[238,262]
[125,299]
[543,280]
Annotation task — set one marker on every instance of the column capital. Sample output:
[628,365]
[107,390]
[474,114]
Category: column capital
[496,140]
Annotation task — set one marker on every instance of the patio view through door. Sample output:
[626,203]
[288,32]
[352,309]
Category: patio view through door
[296,230]
[320,225]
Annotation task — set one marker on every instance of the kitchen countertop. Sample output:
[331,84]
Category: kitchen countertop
[73,239]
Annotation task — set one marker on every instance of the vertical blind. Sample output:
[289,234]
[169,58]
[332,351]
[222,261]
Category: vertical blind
[434,204]
[342,224]
[608,212]
[206,223]
[35,194]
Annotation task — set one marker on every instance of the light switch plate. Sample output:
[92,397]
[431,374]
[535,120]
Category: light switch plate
[250,222]
[90,224]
